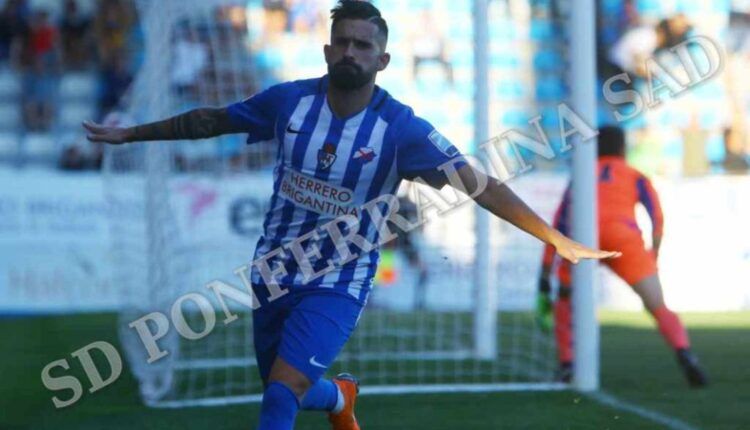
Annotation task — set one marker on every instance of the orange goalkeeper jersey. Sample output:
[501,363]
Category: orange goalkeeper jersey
[619,188]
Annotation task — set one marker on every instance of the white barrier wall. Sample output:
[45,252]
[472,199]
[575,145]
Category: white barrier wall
[54,241]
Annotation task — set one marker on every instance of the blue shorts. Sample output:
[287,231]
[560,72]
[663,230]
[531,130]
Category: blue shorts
[306,328]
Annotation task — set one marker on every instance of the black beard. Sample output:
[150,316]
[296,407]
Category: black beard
[347,76]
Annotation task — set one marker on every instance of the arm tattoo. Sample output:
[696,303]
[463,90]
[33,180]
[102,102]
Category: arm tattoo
[199,123]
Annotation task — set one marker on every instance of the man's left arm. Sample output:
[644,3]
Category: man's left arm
[503,203]
[648,196]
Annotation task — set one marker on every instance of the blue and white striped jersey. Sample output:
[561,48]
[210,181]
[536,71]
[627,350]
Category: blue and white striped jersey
[328,166]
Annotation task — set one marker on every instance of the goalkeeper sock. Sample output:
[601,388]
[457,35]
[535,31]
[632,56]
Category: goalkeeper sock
[322,396]
[563,330]
[671,328]
[279,408]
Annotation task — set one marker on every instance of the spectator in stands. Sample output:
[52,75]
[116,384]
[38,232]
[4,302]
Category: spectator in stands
[41,78]
[735,139]
[73,159]
[115,79]
[75,36]
[14,28]
[636,45]
[190,61]
[641,42]
[611,23]
[113,24]
[429,44]
[276,16]
[305,16]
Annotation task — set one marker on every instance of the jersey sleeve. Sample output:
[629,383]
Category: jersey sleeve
[421,150]
[257,114]
[650,200]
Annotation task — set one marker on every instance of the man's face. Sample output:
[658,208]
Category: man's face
[356,54]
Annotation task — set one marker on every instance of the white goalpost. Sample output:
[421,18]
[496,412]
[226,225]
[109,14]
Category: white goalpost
[460,321]
[584,212]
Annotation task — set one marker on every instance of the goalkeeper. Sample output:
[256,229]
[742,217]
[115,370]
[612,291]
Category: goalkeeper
[620,188]
[342,142]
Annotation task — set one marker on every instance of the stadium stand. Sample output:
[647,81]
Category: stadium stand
[525,82]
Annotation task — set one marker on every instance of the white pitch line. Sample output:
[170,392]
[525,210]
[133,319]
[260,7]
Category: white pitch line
[614,402]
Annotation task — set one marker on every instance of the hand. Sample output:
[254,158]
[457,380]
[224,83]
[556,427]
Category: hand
[574,251]
[100,133]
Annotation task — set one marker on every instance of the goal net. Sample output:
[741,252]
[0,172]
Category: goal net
[191,212]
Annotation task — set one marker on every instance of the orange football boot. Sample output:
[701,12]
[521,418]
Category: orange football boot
[345,420]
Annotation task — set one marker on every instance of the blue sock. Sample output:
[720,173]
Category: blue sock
[279,408]
[322,396]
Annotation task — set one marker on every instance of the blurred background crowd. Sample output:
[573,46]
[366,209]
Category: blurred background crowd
[63,61]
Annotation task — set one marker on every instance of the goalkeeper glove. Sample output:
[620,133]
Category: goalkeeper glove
[544,306]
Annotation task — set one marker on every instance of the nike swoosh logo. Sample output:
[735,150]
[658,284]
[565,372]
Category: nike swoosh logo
[289,129]
[315,363]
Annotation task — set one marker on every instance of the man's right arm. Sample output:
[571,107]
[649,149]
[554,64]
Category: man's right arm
[201,123]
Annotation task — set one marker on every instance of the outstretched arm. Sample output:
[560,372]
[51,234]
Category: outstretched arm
[198,123]
[502,202]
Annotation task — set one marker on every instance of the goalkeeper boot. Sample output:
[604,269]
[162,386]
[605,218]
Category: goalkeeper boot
[345,419]
[696,377]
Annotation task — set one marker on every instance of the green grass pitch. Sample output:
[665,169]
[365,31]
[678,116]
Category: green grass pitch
[636,367]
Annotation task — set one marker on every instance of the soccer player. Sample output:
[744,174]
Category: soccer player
[620,189]
[342,142]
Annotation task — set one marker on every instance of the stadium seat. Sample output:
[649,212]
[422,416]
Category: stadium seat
[715,150]
[8,146]
[548,60]
[541,30]
[79,86]
[500,32]
[10,115]
[510,90]
[72,114]
[462,57]
[611,6]
[504,60]
[550,118]
[10,84]
[515,118]
[40,147]
[550,88]
[649,7]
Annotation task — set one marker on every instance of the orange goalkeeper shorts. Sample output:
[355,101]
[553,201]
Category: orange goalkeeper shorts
[636,263]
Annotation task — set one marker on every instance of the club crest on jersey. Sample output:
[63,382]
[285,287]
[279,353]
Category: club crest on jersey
[326,156]
[365,155]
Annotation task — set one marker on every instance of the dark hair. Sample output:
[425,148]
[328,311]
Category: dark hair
[611,141]
[356,9]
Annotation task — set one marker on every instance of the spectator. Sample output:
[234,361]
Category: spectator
[641,42]
[74,34]
[113,24]
[115,79]
[612,22]
[190,61]
[14,27]
[305,16]
[428,44]
[734,142]
[637,44]
[73,159]
[276,16]
[41,79]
